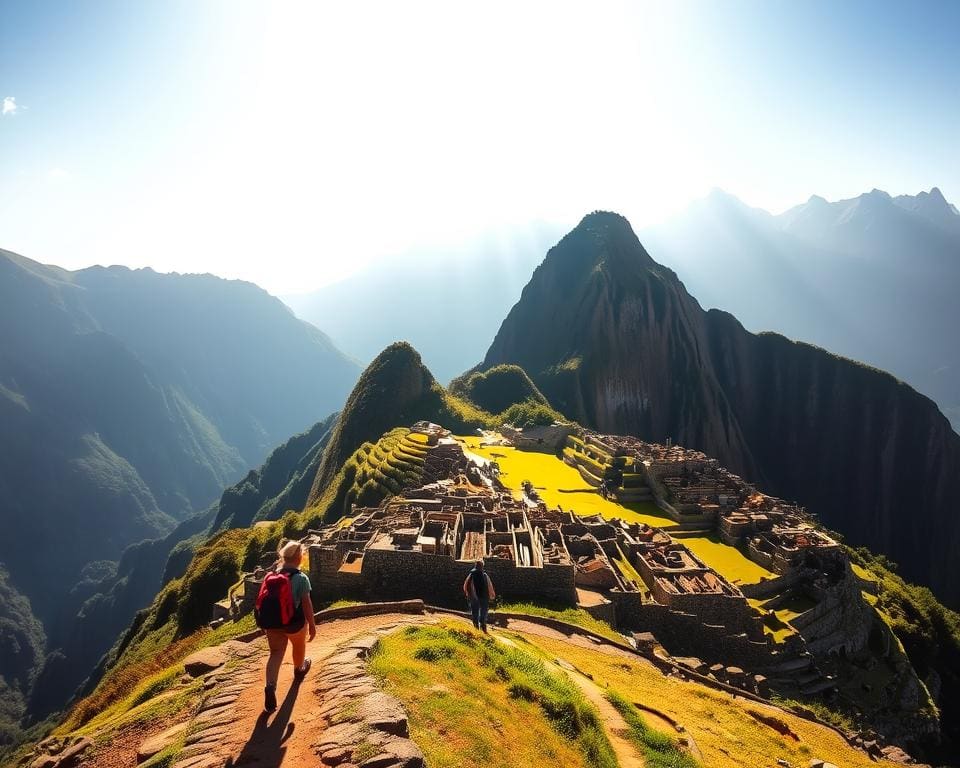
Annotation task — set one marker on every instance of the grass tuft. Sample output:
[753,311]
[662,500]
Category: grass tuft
[659,749]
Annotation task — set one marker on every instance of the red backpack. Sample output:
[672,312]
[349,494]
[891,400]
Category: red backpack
[274,608]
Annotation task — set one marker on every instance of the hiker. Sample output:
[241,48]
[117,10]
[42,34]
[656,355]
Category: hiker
[285,613]
[479,591]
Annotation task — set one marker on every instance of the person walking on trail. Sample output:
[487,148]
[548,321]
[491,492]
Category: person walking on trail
[479,591]
[284,612]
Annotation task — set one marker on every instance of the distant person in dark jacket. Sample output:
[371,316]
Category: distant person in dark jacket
[479,591]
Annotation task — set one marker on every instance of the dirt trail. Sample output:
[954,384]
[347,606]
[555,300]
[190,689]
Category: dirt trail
[287,737]
[613,723]
[242,735]
[230,729]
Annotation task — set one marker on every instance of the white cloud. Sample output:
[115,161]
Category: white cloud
[10,106]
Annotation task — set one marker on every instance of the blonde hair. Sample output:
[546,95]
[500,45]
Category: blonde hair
[289,551]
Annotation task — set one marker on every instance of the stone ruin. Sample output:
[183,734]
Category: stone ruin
[423,542]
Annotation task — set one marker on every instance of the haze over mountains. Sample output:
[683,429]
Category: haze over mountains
[873,278]
[447,302]
[128,401]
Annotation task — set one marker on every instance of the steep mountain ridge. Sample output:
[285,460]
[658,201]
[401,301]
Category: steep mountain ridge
[128,401]
[872,278]
[614,340]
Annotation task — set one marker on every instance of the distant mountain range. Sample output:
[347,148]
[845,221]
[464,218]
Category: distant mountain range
[613,340]
[874,278]
[128,401]
[447,303]
[602,332]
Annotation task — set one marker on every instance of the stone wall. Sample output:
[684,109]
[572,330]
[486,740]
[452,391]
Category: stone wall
[841,619]
[686,634]
[728,611]
[402,574]
[768,587]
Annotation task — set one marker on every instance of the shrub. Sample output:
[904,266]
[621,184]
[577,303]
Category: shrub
[435,651]
[214,569]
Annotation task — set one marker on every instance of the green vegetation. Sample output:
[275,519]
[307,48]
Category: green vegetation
[728,731]
[659,750]
[928,631]
[575,616]
[22,642]
[474,702]
[529,414]
[497,388]
[383,468]
[507,391]
[396,388]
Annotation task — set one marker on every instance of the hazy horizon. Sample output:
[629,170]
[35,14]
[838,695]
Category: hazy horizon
[292,145]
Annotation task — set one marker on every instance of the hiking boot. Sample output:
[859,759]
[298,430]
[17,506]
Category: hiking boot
[483,628]
[270,698]
[301,673]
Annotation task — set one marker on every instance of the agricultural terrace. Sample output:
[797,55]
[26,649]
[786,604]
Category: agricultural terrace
[386,466]
[729,561]
[560,485]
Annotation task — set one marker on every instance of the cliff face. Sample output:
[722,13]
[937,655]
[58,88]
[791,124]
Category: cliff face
[614,340]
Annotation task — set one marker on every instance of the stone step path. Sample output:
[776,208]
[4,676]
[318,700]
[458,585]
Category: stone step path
[230,729]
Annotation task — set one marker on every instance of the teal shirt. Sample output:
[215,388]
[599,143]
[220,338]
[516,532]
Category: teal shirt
[300,586]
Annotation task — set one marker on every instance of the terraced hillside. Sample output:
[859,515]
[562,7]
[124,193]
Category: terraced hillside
[560,484]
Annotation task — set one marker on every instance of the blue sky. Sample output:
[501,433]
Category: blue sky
[291,143]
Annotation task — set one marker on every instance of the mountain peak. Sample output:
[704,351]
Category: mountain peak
[396,388]
[601,238]
[933,207]
[604,221]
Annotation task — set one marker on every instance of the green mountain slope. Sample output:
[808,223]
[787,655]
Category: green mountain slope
[498,388]
[614,340]
[128,401]
[173,625]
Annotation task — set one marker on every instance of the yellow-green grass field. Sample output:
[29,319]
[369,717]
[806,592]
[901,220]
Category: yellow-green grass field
[474,703]
[724,729]
[561,485]
[728,561]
